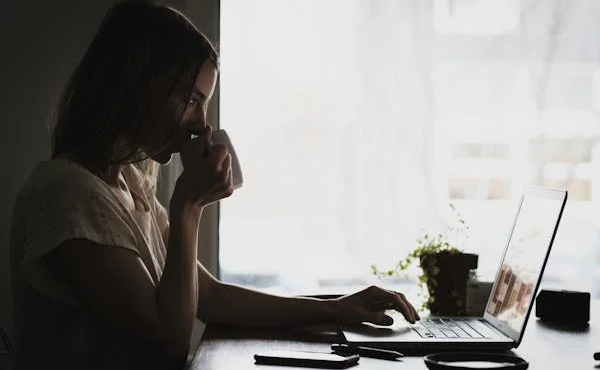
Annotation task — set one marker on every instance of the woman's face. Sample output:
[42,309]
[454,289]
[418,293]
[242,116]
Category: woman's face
[194,115]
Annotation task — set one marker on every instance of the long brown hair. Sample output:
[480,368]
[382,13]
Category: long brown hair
[121,92]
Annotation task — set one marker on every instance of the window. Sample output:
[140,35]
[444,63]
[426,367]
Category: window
[477,17]
[358,122]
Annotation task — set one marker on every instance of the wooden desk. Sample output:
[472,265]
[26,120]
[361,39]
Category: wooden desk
[545,347]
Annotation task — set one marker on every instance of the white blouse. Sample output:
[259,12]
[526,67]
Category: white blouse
[59,201]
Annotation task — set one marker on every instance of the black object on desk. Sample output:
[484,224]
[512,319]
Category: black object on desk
[563,306]
[305,359]
[443,361]
[597,356]
[384,354]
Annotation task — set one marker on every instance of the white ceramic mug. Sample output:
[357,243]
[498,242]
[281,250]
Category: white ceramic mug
[221,137]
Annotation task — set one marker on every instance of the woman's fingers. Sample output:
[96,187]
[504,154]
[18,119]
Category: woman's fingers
[400,304]
[194,151]
[209,175]
[403,305]
[380,318]
[394,300]
[224,173]
[223,183]
[413,309]
[216,156]
[226,165]
[371,304]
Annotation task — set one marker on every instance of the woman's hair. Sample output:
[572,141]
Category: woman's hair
[143,56]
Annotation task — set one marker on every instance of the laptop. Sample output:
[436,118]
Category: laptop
[517,280]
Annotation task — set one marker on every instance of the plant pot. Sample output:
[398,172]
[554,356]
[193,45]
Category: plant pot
[447,275]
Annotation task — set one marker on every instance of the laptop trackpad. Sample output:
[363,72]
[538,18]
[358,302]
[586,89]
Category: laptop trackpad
[376,331]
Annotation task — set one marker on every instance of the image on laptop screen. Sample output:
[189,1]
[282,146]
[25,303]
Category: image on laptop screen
[523,260]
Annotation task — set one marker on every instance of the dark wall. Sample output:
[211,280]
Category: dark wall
[40,44]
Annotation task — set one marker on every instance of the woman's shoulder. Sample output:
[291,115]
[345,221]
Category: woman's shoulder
[56,178]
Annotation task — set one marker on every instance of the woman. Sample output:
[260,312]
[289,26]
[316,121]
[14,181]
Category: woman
[103,277]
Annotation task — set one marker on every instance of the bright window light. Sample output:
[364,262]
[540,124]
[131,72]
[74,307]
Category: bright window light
[356,127]
[477,17]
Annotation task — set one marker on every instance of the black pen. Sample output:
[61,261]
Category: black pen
[384,354]
[597,356]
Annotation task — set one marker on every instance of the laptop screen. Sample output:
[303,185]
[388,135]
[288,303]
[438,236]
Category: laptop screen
[525,257]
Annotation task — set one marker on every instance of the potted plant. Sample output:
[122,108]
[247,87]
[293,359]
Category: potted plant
[445,268]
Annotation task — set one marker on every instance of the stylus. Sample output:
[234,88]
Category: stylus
[345,349]
[597,356]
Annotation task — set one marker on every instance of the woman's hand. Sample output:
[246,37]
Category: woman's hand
[370,304]
[206,176]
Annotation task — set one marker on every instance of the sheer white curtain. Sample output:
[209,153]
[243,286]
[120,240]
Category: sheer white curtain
[358,122]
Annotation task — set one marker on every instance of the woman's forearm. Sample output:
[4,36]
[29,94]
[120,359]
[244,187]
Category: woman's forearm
[177,291]
[238,306]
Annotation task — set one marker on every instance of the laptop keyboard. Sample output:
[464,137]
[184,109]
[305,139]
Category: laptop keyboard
[449,328]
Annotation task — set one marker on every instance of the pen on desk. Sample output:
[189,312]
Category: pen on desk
[383,354]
